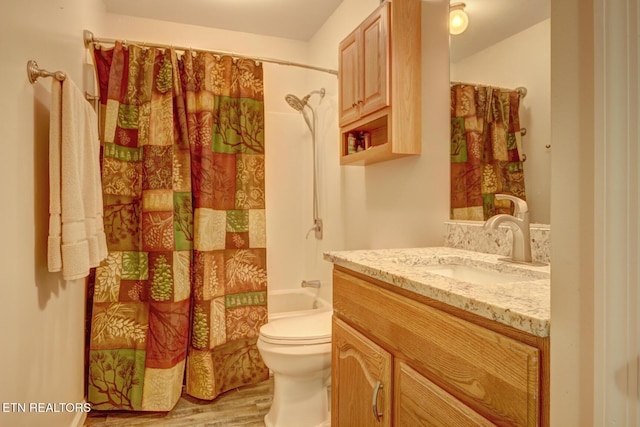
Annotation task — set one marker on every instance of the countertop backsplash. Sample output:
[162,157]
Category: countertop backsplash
[472,236]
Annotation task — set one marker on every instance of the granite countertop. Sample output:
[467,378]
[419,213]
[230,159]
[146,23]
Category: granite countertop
[523,303]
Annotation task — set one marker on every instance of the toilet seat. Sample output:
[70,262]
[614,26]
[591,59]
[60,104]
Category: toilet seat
[299,330]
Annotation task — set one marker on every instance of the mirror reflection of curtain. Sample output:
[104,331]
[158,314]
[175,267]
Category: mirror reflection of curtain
[184,286]
[486,151]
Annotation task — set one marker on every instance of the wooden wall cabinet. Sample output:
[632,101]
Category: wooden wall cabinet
[364,67]
[438,365]
[380,84]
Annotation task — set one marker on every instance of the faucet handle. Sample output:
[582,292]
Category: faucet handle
[520,207]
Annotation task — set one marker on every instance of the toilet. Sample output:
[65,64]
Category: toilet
[298,351]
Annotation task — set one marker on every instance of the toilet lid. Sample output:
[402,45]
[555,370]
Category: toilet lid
[304,330]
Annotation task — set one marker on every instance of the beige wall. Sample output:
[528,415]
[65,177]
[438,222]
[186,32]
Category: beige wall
[42,317]
[522,60]
[595,297]
[400,203]
[572,218]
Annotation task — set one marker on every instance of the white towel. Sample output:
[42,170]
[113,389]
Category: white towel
[77,240]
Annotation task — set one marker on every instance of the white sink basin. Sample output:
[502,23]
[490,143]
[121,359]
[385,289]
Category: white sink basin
[470,274]
[467,270]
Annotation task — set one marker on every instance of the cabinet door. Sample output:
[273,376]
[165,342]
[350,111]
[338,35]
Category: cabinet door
[374,94]
[361,388]
[349,79]
[419,402]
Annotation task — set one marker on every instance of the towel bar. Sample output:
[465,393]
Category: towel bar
[34,72]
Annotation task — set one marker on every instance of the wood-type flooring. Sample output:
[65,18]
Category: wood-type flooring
[244,406]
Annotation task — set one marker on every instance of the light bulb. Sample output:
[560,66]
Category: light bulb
[458,20]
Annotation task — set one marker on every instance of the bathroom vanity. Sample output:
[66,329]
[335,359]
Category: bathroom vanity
[438,336]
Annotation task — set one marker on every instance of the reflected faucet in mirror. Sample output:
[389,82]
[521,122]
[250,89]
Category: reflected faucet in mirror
[519,225]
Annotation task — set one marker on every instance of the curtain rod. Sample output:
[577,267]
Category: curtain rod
[522,91]
[90,39]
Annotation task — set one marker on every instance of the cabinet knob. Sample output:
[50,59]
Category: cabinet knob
[374,402]
[360,101]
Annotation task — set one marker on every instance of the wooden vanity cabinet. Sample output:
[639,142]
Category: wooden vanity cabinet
[380,84]
[360,368]
[419,402]
[438,365]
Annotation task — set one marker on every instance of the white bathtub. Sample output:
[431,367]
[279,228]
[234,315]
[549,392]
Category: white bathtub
[294,302]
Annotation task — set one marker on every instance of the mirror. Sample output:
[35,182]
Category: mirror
[507,44]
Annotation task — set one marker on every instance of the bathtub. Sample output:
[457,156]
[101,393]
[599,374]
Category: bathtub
[294,302]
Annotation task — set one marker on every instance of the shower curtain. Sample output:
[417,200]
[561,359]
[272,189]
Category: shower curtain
[184,286]
[486,151]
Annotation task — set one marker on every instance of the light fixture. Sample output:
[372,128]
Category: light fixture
[458,19]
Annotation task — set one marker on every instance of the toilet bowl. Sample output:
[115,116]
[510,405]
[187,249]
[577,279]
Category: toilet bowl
[298,352]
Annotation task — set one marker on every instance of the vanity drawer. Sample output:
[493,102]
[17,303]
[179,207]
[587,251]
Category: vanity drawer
[496,376]
[420,402]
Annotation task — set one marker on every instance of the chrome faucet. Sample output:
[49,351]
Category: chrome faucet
[310,283]
[519,224]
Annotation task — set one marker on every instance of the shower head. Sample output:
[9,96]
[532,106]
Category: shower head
[299,104]
[295,102]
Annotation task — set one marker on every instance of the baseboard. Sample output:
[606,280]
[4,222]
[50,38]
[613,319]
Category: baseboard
[79,419]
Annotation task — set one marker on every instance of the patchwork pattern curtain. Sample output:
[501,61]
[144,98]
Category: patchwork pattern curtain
[226,132]
[486,151]
[183,186]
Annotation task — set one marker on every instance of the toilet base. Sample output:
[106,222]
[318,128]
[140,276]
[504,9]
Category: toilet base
[299,402]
